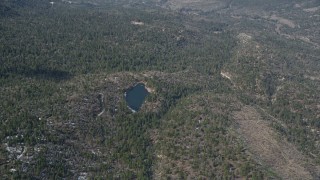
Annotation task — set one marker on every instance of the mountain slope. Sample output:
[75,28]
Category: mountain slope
[232,82]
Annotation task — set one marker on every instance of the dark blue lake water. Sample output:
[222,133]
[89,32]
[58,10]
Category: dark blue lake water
[135,96]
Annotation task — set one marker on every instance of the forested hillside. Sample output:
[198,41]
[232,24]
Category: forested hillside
[233,89]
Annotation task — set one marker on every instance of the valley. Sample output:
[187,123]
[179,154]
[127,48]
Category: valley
[232,89]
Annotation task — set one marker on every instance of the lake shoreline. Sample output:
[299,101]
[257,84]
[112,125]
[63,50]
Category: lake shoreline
[135,96]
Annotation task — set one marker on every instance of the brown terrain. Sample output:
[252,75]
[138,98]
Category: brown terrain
[269,148]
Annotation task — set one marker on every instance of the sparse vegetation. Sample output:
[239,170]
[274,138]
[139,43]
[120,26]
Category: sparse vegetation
[212,67]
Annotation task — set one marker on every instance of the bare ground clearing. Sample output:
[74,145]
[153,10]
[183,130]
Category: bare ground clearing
[276,153]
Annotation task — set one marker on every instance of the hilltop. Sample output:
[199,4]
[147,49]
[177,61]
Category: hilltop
[234,89]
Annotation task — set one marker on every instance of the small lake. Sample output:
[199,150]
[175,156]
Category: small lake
[135,96]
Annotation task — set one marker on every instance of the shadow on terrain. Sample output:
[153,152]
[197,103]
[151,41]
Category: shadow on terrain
[39,72]
[6,11]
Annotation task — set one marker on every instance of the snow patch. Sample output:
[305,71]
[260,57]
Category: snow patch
[226,75]
[83,176]
[139,23]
